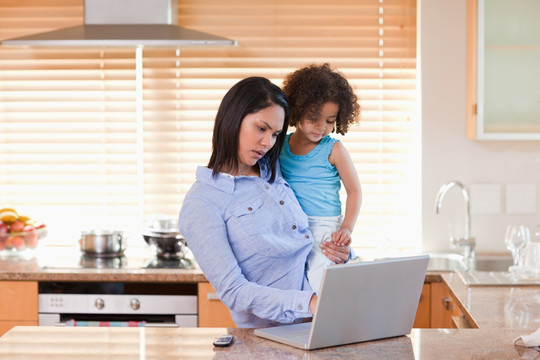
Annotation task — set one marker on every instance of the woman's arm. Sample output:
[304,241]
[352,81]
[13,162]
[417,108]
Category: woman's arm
[206,233]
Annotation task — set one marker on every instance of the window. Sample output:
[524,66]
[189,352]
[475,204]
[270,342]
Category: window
[69,149]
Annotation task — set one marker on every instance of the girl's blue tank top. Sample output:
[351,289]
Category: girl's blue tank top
[315,182]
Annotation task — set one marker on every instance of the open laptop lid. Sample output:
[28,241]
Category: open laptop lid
[367,301]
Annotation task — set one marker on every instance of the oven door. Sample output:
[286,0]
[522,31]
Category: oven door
[117,310]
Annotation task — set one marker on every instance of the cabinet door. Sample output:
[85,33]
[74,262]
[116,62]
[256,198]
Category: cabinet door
[212,312]
[18,304]
[443,307]
[503,81]
[423,313]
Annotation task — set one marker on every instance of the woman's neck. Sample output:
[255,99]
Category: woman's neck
[245,171]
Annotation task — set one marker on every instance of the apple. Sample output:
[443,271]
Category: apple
[18,242]
[30,236]
[3,231]
[17,226]
[8,243]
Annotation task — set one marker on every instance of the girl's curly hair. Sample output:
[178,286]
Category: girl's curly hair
[309,88]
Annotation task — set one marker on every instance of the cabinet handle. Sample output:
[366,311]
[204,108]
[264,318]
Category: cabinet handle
[212,296]
[447,303]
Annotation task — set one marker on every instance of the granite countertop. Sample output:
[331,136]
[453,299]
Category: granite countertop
[502,313]
[190,343]
[65,264]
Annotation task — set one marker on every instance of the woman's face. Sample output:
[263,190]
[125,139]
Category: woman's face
[258,133]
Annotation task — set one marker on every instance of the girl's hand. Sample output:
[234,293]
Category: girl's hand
[342,237]
[337,253]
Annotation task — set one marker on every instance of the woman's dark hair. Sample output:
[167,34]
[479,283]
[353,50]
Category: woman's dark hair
[310,87]
[246,97]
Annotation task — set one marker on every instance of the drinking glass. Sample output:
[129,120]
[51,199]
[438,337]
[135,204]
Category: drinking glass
[531,256]
[516,239]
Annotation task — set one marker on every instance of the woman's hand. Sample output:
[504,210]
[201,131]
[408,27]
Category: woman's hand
[313,304]
[337,253]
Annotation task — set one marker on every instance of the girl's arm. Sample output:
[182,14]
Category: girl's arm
[340,158]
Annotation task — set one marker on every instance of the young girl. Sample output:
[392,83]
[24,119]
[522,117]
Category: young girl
[314,164]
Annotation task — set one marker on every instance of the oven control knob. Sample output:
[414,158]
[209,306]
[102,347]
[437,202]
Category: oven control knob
[99,303]
[135,304]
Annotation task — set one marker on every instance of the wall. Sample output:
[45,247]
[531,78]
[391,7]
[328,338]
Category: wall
[447,154]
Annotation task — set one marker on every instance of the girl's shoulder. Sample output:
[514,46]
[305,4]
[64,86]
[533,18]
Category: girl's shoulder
[328,140]
[327,143]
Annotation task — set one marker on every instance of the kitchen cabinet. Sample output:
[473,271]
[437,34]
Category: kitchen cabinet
[445,309]
[18,304]
[212,312]
[503,81]
[438,308]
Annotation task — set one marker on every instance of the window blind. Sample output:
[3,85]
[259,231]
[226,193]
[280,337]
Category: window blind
[68,132]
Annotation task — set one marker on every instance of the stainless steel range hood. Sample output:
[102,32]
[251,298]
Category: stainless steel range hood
[125,23]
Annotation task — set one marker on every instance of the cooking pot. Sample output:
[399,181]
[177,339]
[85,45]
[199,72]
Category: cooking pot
[166,245]
[161,233]
[102,243]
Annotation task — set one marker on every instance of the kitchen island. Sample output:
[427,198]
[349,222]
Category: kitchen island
[501,313]
[196,343]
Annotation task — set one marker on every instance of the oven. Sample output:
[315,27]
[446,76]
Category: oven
[117,304]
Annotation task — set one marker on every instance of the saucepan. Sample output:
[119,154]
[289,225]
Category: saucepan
[102,243]
[161,233]
[166,245]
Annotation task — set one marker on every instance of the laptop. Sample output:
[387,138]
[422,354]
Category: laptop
[359,302]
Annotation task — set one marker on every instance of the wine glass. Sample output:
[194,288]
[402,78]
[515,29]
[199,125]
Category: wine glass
[516,239]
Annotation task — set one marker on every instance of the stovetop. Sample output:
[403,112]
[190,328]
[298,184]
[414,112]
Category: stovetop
[133,259]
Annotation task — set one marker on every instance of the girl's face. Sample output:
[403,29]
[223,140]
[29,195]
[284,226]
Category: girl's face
[315,130]
[258,133]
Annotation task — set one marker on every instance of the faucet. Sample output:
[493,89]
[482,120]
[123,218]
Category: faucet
[468,242]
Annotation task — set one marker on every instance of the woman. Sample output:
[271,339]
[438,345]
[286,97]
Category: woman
[241,219]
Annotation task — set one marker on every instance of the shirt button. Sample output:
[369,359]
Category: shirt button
[281,202]
[266,186]
[250,208]
[300,307]
[294,227]
[307,236]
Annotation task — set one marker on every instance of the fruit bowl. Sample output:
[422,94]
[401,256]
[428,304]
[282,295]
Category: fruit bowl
[19,233]
[14,242]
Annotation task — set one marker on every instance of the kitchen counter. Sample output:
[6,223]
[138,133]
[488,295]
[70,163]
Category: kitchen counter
[502,313]
[196,343]
[63,264]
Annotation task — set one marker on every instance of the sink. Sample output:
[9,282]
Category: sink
[452,262]
[493,262]
[487,270]
[446,262]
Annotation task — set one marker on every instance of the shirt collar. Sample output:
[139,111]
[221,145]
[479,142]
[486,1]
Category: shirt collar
[226,182]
